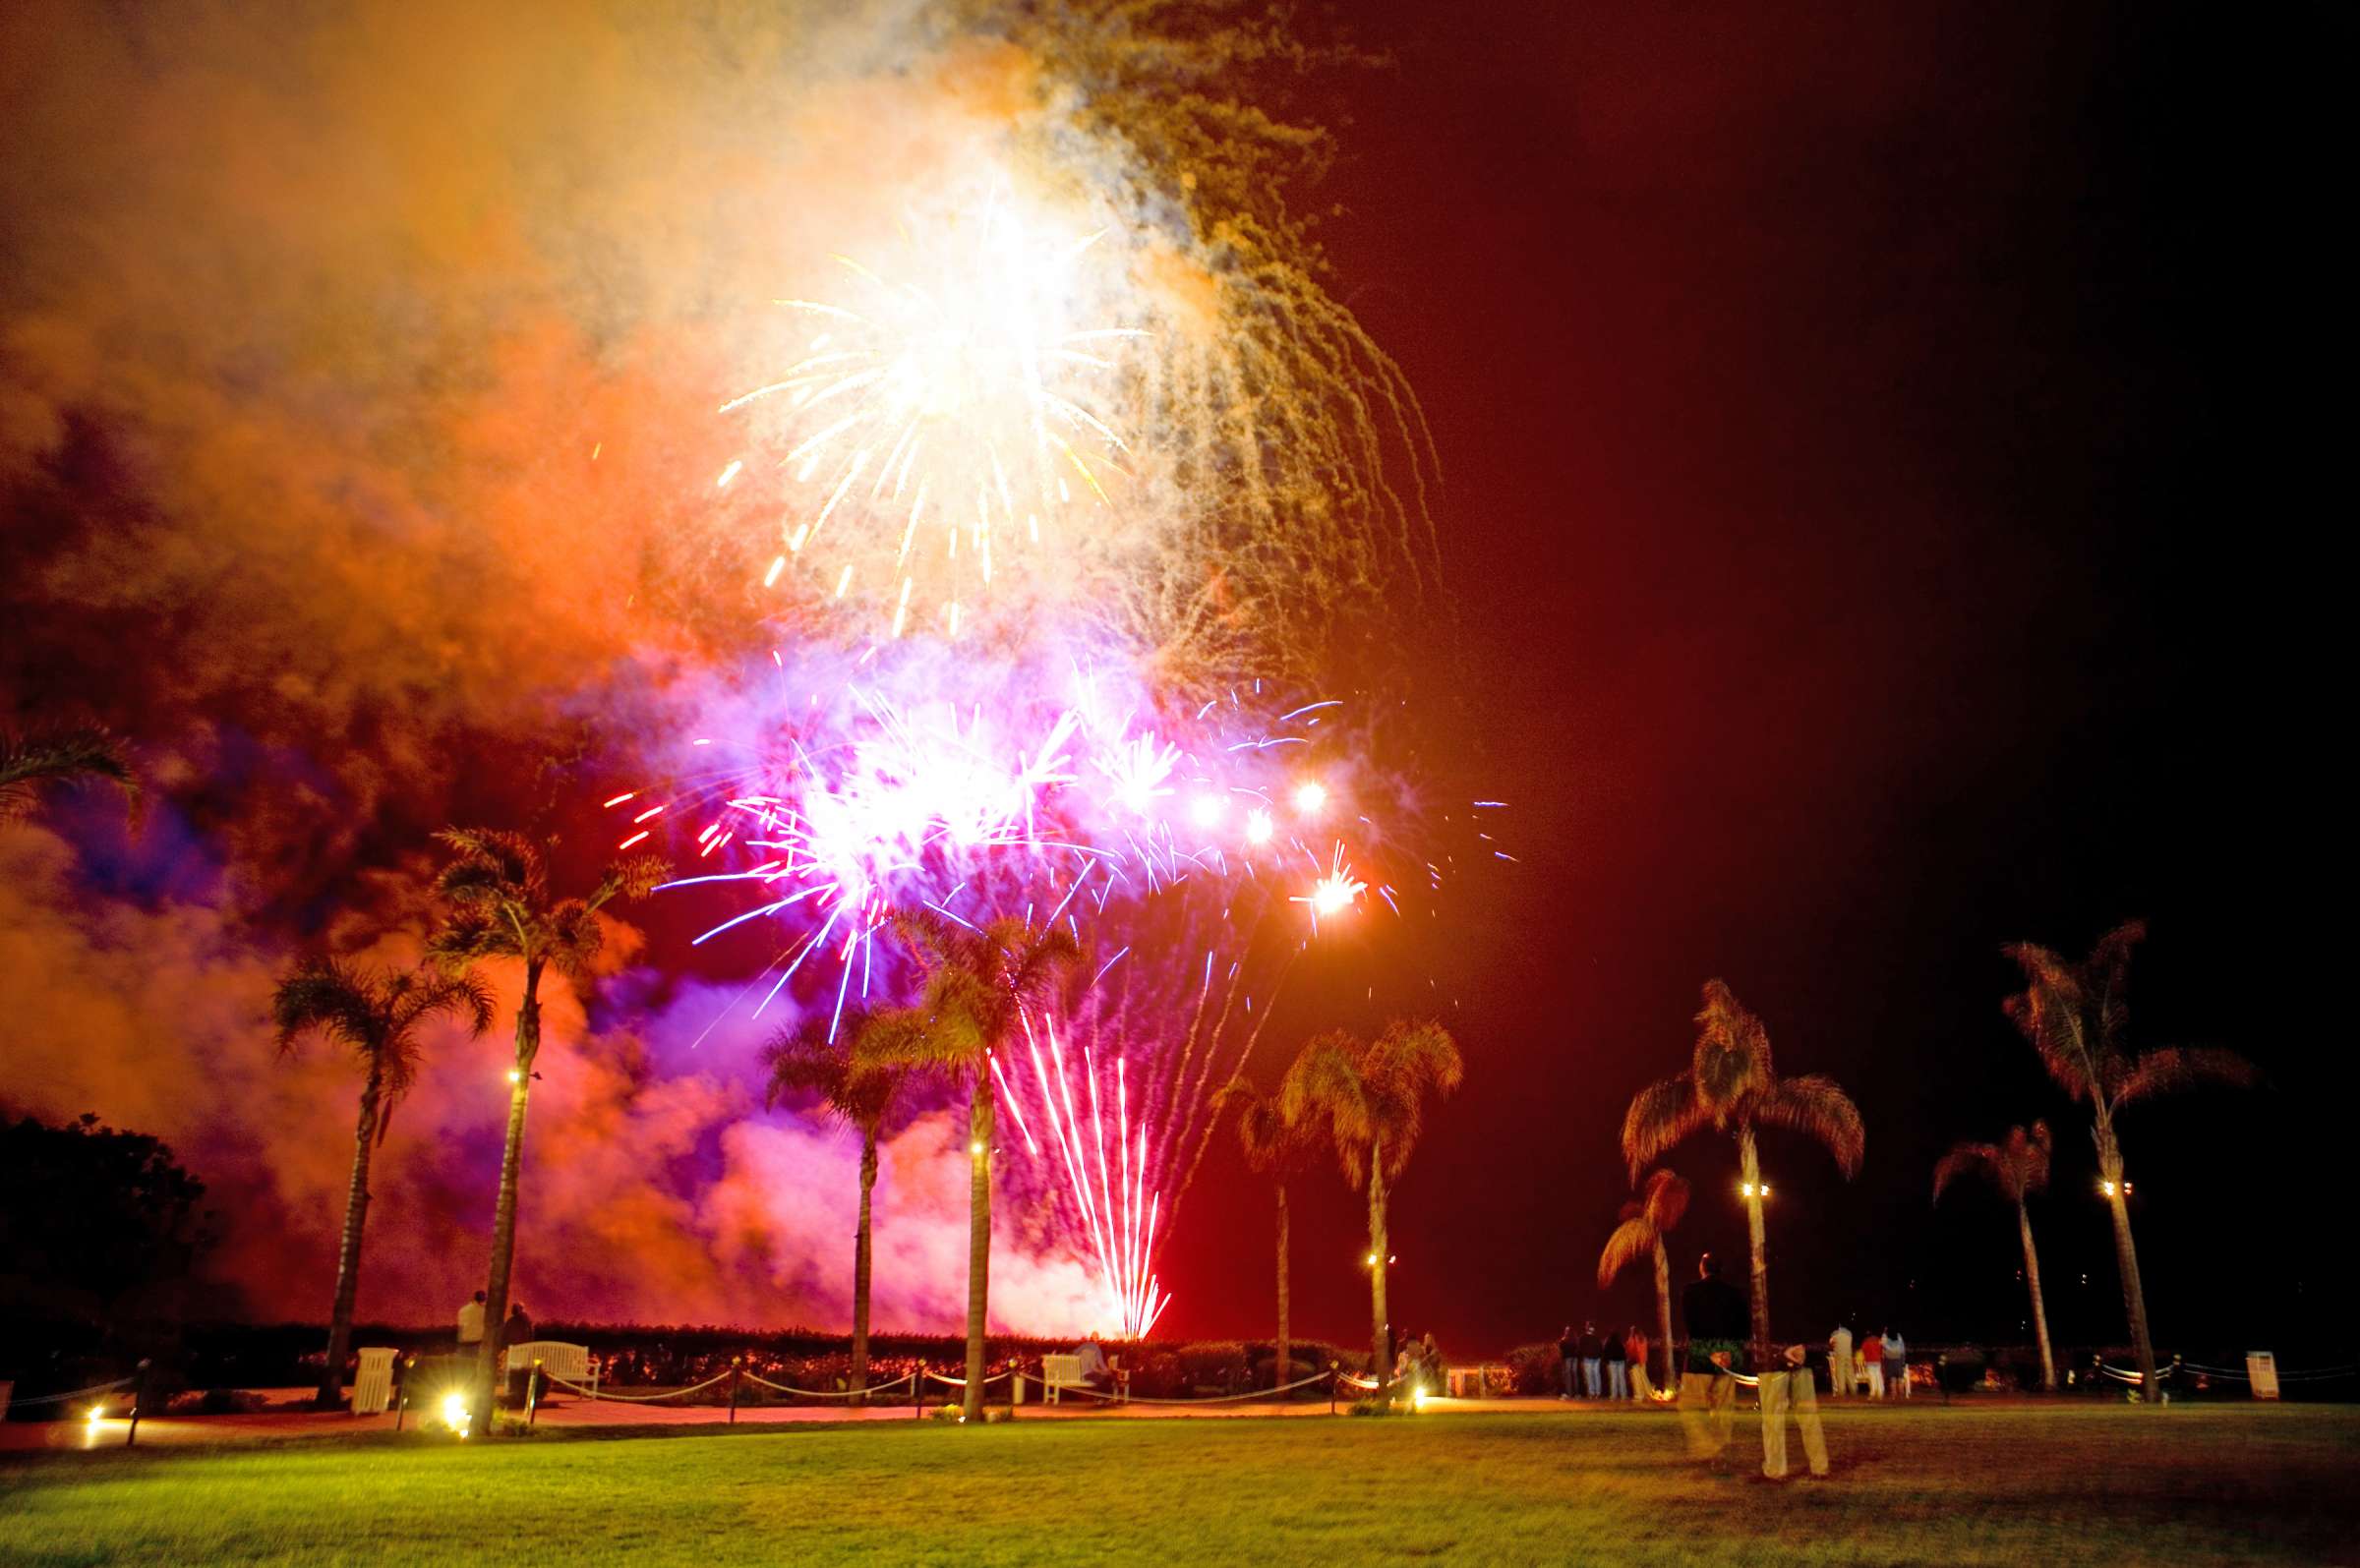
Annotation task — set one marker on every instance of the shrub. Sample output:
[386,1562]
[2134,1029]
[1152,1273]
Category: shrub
[1215,1366]
[1534,1369]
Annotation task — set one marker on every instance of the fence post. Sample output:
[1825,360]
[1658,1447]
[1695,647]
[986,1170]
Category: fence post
[139,1397]
[408,1367]
[532,1395]
[918,1394]
[1334,1371]
[737,1364]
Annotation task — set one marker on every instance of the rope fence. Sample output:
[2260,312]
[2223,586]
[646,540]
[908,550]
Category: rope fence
[831,1393]
[76,1393]
[633,1399]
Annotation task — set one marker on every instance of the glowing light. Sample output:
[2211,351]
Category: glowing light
[97,1414]
[1206,810]
[456,1414]
[515,1077]
[1311,797]
[1258,826]
[1335,892]
[950,397]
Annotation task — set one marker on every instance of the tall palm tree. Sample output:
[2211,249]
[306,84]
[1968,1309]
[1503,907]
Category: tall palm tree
[33,760]
[1730,1087]
[981,984]
[502,907]
[1274,1145]
[2018,1167]
[379,1017]
[1644,1224]
[1369,1097]
[2076,1016]
[836,1062]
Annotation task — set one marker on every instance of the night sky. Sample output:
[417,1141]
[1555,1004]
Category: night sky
[1888,512]
[1884,461]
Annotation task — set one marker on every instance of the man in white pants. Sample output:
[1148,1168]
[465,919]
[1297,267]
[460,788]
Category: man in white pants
[1872,1364]
[1838,1361]
[1897,1364]
[1792,1388]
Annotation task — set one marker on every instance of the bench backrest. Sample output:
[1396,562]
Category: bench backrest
[557,1358]
[1061,1368]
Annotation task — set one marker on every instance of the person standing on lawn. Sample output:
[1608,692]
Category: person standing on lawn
[1791,1386]
[1897,1364]
[1568,1355]
[1618,1368]
[1718,1322]
[1872,1364]
[1634,1349]
[1593,1351]
[1838,1361]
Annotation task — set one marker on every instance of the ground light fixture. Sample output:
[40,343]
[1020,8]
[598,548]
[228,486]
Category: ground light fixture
[454,1413]
[1754,1188]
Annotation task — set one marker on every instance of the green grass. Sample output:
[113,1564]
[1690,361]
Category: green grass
[2046,1486]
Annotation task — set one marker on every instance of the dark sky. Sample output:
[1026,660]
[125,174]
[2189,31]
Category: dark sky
[1888,494]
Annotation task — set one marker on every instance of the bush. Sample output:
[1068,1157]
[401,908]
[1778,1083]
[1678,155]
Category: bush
[1296,1370]
[1215,1366]
[1534,1370]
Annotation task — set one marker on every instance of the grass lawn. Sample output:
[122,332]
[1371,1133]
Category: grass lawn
[2044,1485]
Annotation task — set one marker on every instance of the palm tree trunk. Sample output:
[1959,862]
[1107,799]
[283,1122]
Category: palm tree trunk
[1381,1333]
[1279,1373]
[1750,1168]
[979,1238]
[2031,1280]
[861,1260]
[504,1218]
[348,1254]
[2126,1258]
[1663,1316]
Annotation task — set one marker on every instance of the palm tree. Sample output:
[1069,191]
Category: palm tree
[378,1016]
[2018,1167]
[1644,1224]
[1370,1099]
[62,757]
[1730,1087]
[1274,1145]
[502,907]
[981,982]
[2076,1016]
[837,1064]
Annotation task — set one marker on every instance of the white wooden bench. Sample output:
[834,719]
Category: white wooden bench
[1060,1371]
[555,1359]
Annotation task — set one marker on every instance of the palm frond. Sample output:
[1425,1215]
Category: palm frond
[1732,1057]
[338,1000]
[1666,1200]
[1323,1089]
[1661,1114]
[1966,1158]
[1817,1107]
[65,758]
[2174,1069]
[2031,1150]
[2049,1013]
[1631,1240]
[837,1060]
[629,879]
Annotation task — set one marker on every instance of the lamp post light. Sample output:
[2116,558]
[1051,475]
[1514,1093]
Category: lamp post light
[1754,1188]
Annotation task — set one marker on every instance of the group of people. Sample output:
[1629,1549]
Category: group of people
[1418,1364]
[515,1329]
[1608,1365]
[1880,1363]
